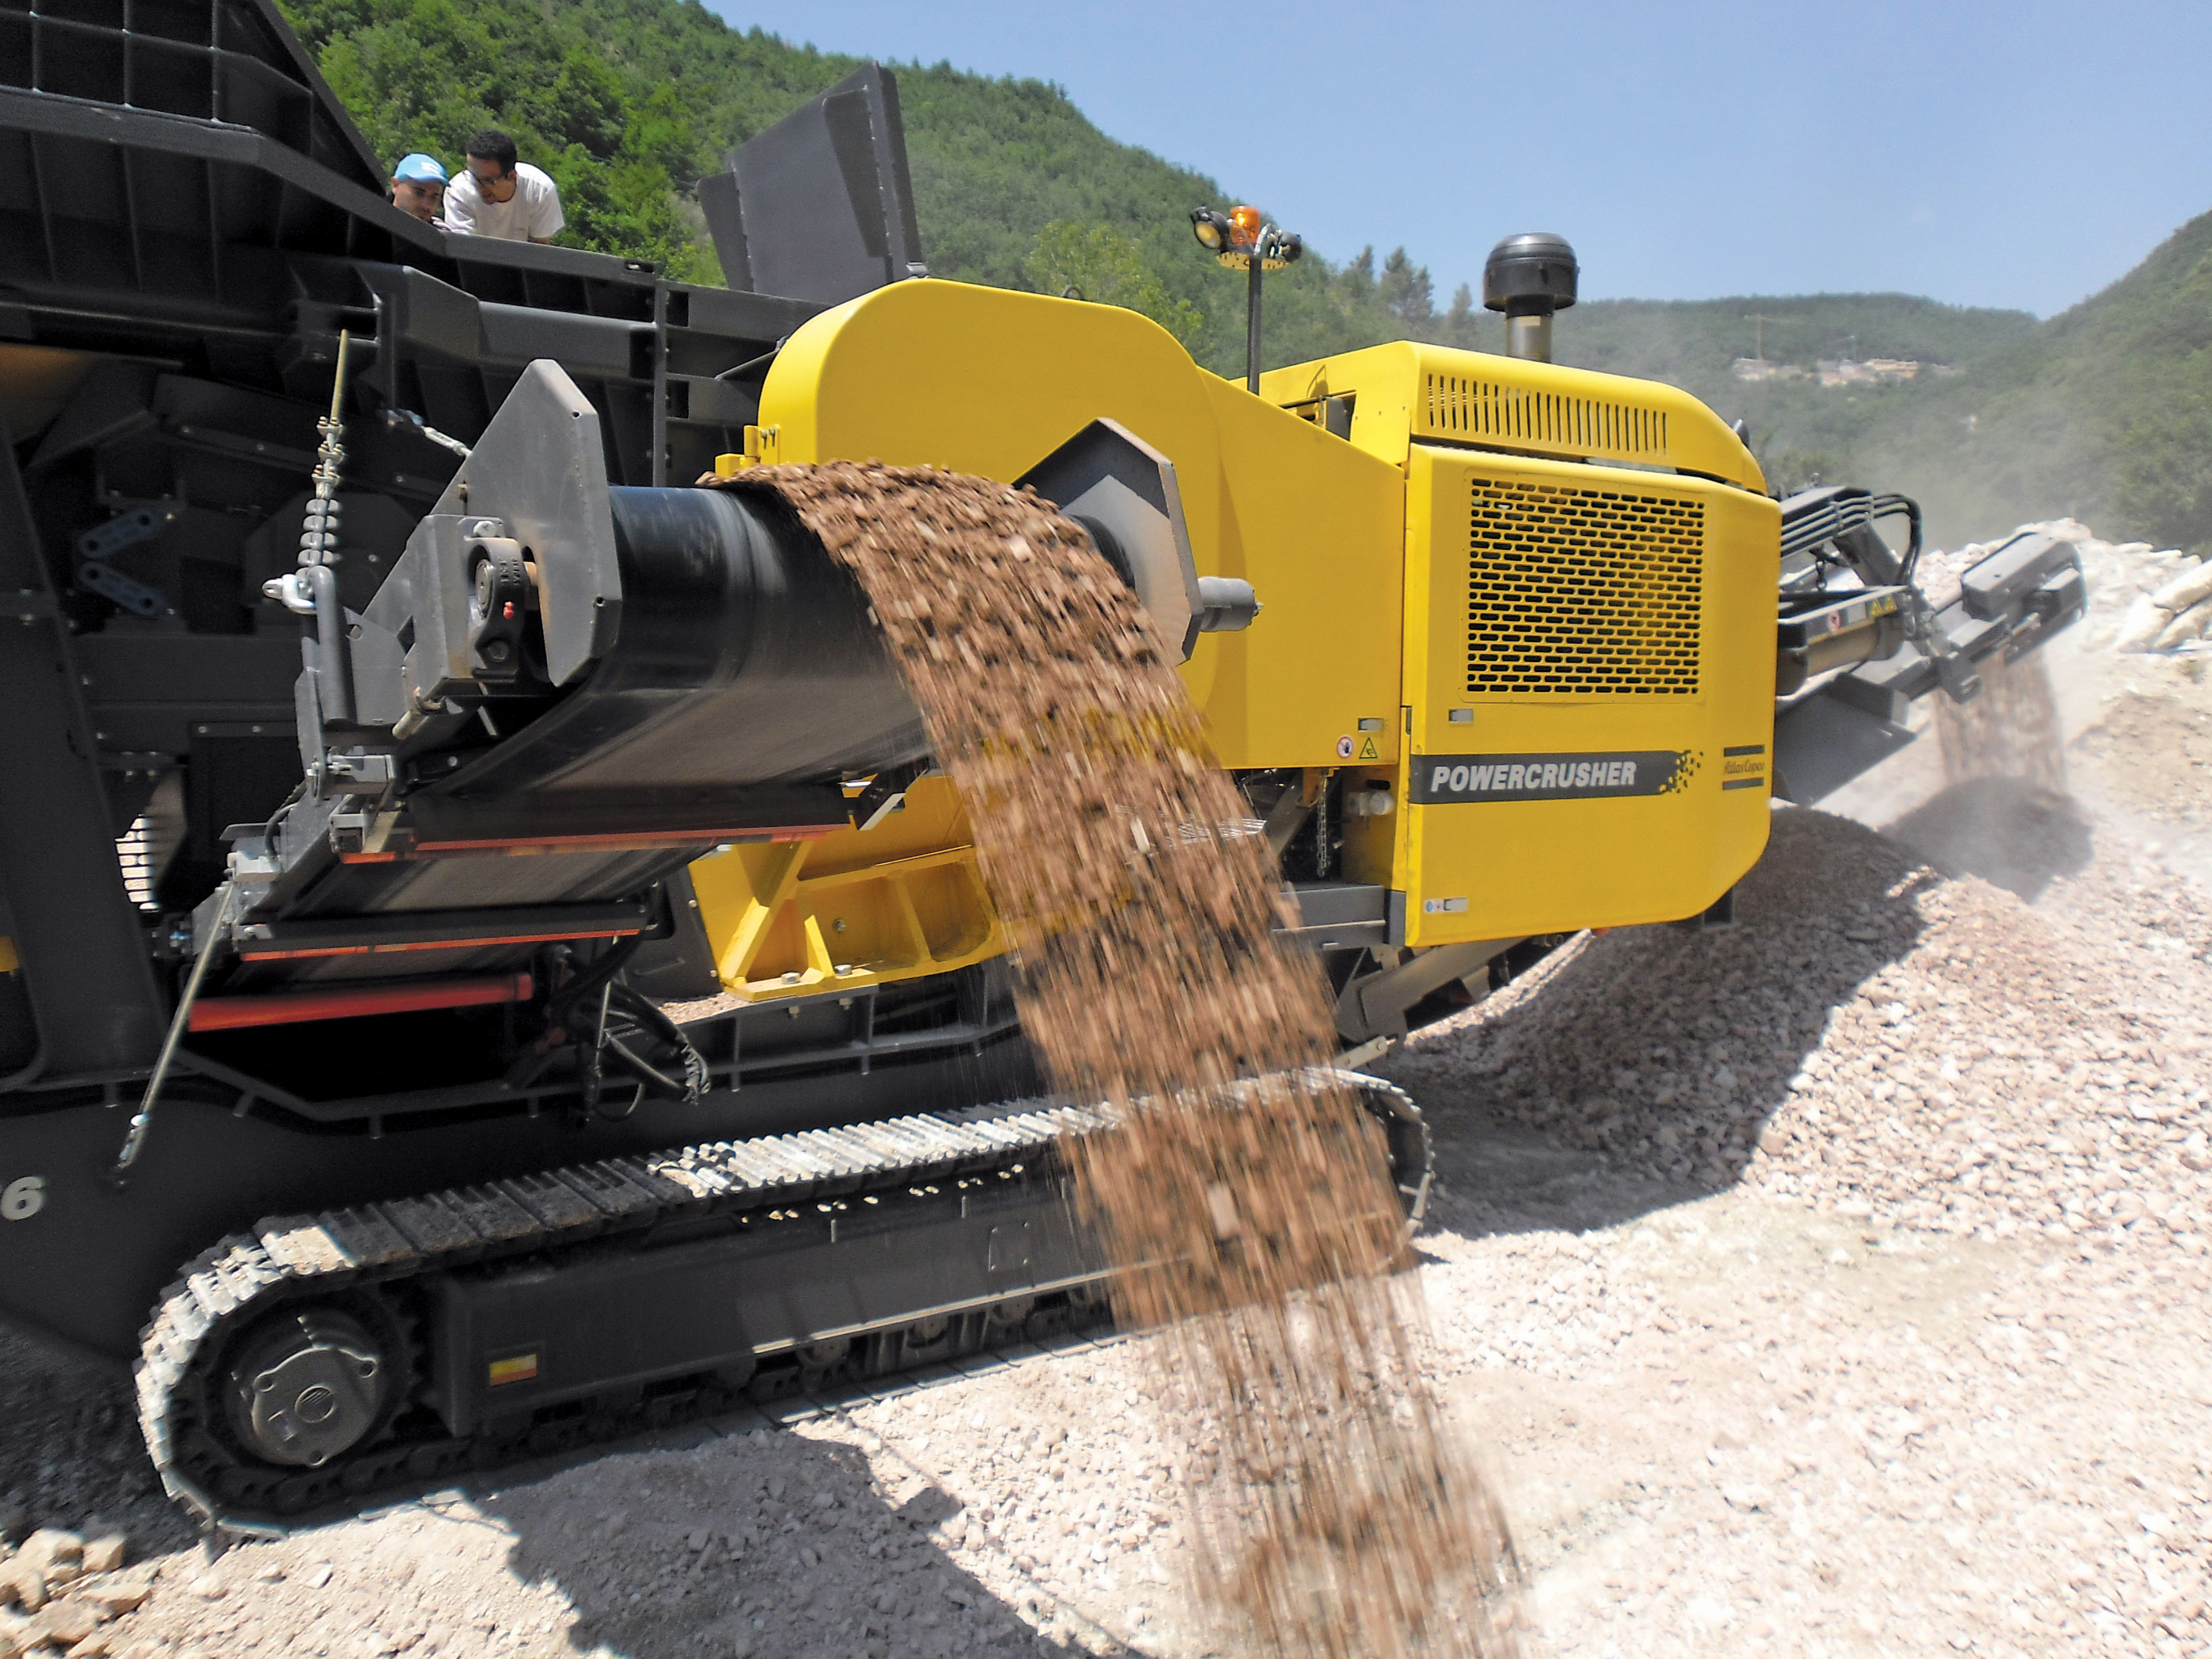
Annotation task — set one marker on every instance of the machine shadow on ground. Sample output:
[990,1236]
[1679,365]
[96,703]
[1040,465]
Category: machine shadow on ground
[2013,834]
[1636,1070]
[776,1546]
[612,1530]
[69,1447]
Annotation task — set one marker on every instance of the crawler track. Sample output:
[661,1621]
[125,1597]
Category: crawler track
[862,1251]
[773,1199]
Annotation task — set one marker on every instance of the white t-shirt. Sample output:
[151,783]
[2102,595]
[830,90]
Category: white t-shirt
[534,210]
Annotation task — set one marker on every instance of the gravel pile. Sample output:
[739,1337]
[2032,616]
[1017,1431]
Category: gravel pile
[2146,748]
[2132,695]
[61,1589]
[1835,1283]
[1927,1371]
[1588,1303]
[71,1450]
[2141,598]
[1875,1038]
[1778,1338]
[1852,1440]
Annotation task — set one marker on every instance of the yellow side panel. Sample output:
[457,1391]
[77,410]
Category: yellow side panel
[987,381]
[1318,529]
[855,907]
[1405,393]
[1363,555]
[1614,631]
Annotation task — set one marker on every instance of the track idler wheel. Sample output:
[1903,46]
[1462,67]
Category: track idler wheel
[1411,1158]
[307,1386]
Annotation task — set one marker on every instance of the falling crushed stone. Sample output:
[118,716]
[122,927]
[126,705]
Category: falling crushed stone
[2010,731]
[1255,1221]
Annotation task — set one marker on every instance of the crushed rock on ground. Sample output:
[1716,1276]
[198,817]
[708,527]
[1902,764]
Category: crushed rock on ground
[2135,724]
[2141,598]
[1835,1283]
[2149,746]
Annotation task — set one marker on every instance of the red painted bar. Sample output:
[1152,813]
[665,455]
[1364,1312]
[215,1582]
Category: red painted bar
[352,1002]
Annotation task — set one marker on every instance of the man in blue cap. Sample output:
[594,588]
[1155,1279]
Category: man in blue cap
[418,186]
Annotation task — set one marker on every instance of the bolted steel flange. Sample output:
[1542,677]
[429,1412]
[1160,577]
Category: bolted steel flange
[306,1387]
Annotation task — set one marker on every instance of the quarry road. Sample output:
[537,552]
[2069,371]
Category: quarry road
[1835,1283]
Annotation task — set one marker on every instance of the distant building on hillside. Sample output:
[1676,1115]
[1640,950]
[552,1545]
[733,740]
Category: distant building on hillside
[1842,371]
[1760,368]
[1837,371]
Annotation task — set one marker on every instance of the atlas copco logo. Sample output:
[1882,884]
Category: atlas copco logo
[1441,780]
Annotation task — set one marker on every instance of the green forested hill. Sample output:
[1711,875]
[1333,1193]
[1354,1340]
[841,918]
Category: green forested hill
[2103,412]
[627,102]
[1685,339]
[2106,410]
[1802,432]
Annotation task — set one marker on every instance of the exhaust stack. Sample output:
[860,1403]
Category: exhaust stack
[1528,277]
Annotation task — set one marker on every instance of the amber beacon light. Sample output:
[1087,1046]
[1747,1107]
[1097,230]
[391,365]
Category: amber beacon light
[1242,239]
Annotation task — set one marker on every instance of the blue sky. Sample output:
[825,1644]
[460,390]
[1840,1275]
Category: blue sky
[2022,155]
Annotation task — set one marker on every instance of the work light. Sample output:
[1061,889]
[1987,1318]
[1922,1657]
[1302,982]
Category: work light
[1212,228]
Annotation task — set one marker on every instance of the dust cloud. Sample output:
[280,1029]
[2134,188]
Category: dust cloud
[2004,813]
[2010,731]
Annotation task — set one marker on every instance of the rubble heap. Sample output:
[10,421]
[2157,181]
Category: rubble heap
[60,1589]
[2141,598]
[1877,1039]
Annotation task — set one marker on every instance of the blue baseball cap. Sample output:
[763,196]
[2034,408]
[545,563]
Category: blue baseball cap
[419,169]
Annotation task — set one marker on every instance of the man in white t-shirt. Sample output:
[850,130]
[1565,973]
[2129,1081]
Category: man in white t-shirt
[500,197]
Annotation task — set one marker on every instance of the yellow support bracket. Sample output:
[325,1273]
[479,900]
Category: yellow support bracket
[855,907]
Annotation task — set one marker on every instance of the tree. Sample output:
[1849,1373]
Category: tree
[1356,281]
[2163,489]
[1462,322]
[1405,289]
[584,107]
[628,103]
[1098,263]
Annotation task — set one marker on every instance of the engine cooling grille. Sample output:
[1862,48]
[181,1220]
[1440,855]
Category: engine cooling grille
[1458,408]
[1578,591]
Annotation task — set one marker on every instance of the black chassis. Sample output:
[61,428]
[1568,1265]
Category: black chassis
[188,224]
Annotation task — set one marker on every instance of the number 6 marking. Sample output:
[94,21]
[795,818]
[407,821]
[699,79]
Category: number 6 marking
[23,1198]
